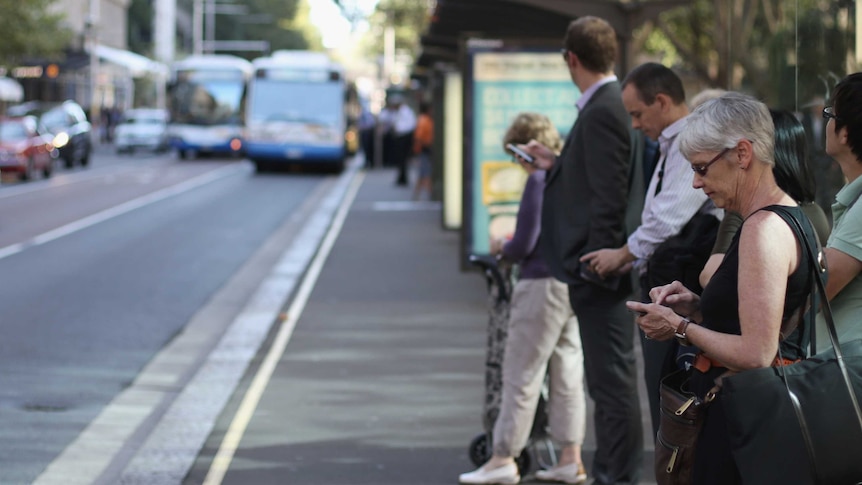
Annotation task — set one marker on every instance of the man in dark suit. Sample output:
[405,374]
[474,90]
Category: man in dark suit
[584,210]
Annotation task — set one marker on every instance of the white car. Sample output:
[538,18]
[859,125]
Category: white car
[142,128]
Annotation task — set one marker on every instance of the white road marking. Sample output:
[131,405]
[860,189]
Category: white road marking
[233,436]
[121,209]
[405,205]
[152,433]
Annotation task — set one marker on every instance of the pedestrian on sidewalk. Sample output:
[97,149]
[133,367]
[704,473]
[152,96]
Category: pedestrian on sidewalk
[793,174]
[423,138]
[844,248]
[655,98]
[764,278]
[398,122]
[543,339]
[367,126]
[584,209]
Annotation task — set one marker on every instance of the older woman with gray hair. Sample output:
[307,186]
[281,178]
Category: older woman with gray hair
[763,280]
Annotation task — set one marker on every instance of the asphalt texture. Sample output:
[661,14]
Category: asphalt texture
[382,381]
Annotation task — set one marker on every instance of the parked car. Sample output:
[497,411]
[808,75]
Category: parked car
[68,124]
[144,128]
[23,149]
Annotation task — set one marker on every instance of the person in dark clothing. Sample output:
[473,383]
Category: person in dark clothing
[366,124]
[584,209]
[399,122]
[762,281]
[654,97]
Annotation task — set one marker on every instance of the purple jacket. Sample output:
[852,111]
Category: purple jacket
[523,248]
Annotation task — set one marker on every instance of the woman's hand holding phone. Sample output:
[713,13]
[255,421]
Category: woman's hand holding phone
[519,153]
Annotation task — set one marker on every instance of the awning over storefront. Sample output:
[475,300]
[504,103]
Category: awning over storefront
[10,90]
[138,65]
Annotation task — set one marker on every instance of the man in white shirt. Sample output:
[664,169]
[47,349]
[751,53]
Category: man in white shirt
[400,122]
[654,97]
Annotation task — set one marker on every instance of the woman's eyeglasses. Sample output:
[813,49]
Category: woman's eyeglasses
[704,167]
[829,112]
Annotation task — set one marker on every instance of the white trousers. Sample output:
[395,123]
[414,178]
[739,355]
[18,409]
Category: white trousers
[543,339]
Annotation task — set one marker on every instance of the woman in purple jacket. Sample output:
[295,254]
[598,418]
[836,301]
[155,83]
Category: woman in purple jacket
[543,339]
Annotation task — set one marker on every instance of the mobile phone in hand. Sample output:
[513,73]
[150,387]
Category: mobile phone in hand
[610,283]
[520,153]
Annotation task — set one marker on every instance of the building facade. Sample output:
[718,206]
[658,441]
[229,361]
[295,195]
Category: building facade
[97,71]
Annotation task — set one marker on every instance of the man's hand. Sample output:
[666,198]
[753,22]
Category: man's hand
[608,262]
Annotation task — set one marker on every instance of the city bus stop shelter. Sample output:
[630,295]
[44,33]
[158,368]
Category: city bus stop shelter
[443,68]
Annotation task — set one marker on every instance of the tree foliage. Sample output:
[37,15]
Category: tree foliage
[139,24]
[284,24]
[30,30]
[757,45]
[409,18]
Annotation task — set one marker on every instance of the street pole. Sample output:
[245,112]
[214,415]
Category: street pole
[164,26]
[93,30]
[858,35]
[210,24]
[198,27]
[388,53]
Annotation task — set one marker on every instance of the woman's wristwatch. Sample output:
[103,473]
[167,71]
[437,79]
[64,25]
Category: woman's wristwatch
[680,332]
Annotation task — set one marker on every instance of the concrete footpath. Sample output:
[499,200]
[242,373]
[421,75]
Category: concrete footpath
[382,379]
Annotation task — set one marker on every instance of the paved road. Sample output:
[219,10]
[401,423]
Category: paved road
[102,267]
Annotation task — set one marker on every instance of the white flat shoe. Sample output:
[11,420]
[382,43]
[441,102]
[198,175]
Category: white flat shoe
[573,474]
[504,475]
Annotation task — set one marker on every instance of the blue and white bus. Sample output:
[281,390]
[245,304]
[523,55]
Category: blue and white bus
[206,98]
[297,111]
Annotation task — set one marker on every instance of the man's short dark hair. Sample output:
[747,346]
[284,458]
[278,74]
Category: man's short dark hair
[652,79]
[594,41]
[847,104]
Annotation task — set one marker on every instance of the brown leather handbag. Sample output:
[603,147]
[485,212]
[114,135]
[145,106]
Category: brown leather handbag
[682,414]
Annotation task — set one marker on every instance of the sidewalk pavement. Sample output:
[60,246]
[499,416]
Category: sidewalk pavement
[382,381]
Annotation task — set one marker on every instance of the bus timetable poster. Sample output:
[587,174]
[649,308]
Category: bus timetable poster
[506,83]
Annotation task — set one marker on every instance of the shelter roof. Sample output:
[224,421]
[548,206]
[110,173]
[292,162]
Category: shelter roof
[453,19]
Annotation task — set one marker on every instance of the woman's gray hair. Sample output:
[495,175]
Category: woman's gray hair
[722,122]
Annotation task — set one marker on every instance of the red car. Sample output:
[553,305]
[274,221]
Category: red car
[23,149]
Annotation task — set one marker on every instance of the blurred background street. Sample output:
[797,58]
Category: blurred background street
[212,268]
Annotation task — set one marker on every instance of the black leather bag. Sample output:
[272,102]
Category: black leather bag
[682,257]
[799,423]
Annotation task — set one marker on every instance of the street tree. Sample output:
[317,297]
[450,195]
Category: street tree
[759,46]
[284,24]
[31,30]
[290,26]
[408,18]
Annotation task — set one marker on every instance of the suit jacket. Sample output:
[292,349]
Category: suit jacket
[585,195]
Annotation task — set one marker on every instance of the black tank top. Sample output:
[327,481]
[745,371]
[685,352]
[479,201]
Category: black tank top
[719,302]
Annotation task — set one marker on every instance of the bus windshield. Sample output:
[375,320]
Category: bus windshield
[298,101]
[207,100]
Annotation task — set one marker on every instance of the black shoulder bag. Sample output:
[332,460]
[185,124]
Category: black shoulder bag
[800,423]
